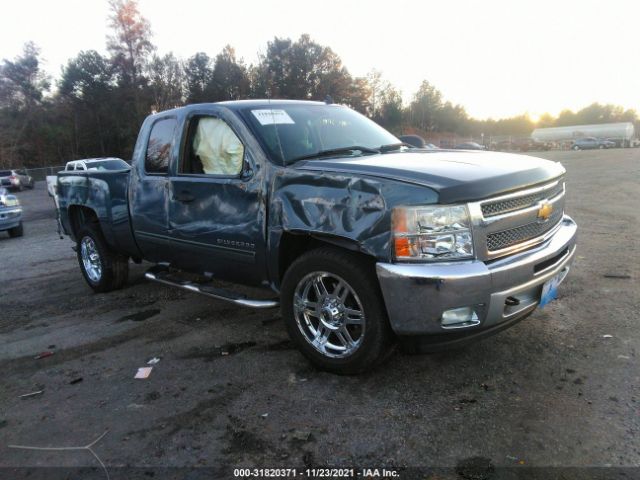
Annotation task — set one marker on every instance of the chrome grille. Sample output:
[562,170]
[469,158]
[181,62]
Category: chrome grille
[498,207]
[513,236]
[512,222]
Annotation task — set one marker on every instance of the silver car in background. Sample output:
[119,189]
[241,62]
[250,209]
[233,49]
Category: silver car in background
[10,214]
[16,179]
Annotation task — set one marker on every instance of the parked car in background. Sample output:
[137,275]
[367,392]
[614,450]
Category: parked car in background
[470,146]
[414,140]
[618,142]
[417,141]
[590,143]
[10,214]
[16,179]
[531,145]
[503,146]
[107,163]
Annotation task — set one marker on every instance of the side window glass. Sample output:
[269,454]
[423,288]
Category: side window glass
[212,148]
[159,146]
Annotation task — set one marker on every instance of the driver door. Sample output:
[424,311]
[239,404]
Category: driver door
[216,209]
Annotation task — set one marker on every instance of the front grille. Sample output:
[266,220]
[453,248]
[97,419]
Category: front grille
[491,209]
[513,236]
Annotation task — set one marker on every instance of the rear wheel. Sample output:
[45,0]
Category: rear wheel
[334,312]
[103,269]
[16,231]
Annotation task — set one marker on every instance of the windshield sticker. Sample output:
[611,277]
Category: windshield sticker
[272,117]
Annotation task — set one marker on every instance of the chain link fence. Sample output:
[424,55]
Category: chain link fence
[40,174]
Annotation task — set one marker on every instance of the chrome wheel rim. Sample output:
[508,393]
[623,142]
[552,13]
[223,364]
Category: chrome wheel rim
[329,314]
[91,259]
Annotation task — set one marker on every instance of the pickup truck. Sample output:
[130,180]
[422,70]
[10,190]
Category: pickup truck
[359,239]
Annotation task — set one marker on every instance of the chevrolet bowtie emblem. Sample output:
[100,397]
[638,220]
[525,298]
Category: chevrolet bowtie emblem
[545,211]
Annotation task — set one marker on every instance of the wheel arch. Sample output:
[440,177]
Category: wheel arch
[80,215]
[294,244]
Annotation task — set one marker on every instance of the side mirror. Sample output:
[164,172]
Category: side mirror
[247,170]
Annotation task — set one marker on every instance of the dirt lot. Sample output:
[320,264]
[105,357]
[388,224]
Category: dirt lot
[230,391]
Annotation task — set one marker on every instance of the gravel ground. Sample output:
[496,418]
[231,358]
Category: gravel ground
[230,391]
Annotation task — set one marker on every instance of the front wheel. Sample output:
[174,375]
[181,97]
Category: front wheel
[576,148]
[334,311]
[103,269]
[16,231]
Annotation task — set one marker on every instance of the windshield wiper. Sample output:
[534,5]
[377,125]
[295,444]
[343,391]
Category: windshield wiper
[394,146]
[335,151]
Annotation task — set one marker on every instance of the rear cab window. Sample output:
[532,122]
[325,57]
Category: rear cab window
[158,152]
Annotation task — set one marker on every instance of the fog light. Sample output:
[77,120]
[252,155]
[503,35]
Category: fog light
[459,318]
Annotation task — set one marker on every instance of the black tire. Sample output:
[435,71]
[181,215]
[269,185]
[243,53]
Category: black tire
[114,268]
[600,147]
[576,148]
[16,231]
[359,274]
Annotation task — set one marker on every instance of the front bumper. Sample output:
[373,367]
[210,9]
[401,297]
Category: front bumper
[416,295]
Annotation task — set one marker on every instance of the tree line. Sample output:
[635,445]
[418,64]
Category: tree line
[97,105]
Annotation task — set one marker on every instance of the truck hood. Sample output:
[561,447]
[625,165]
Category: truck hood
[457,176]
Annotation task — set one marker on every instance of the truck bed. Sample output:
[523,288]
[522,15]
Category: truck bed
[105,193]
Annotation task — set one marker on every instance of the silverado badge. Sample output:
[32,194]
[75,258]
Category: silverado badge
[545,211]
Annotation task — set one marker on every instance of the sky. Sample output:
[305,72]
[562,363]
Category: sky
[496,58]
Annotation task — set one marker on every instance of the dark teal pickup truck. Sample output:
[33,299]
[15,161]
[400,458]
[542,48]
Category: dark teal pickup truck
[359,238]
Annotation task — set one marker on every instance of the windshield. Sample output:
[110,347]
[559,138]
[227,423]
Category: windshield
[115,164]
[292,132]
[5,173]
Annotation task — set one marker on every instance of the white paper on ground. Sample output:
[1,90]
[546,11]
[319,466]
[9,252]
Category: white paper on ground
[143,372]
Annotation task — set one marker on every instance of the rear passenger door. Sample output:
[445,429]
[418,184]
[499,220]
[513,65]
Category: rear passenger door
[216,209]
[149,197]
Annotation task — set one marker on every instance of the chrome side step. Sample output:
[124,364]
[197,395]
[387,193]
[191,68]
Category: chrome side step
[161,275]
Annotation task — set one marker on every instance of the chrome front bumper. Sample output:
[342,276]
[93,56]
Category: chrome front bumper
[416,295]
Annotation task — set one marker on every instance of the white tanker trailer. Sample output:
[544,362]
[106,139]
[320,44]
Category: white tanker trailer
[623,131]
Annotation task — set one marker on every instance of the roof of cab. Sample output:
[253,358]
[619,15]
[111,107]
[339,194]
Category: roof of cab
[239,104]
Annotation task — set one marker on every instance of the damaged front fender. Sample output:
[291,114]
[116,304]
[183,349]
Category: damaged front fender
[354,211]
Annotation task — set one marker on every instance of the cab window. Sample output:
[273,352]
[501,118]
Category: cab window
[159,146]
[212,148]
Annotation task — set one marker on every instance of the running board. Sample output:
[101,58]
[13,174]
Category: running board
[163,276]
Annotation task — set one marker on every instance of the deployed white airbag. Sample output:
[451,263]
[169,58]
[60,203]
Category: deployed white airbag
[219,149]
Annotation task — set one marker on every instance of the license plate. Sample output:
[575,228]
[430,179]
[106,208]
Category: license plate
[550,289]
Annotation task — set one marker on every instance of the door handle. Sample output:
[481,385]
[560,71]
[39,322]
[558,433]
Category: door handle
[184,197]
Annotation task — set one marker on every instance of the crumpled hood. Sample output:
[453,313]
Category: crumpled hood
[456,175]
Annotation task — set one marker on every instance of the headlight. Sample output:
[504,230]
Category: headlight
[432,232]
